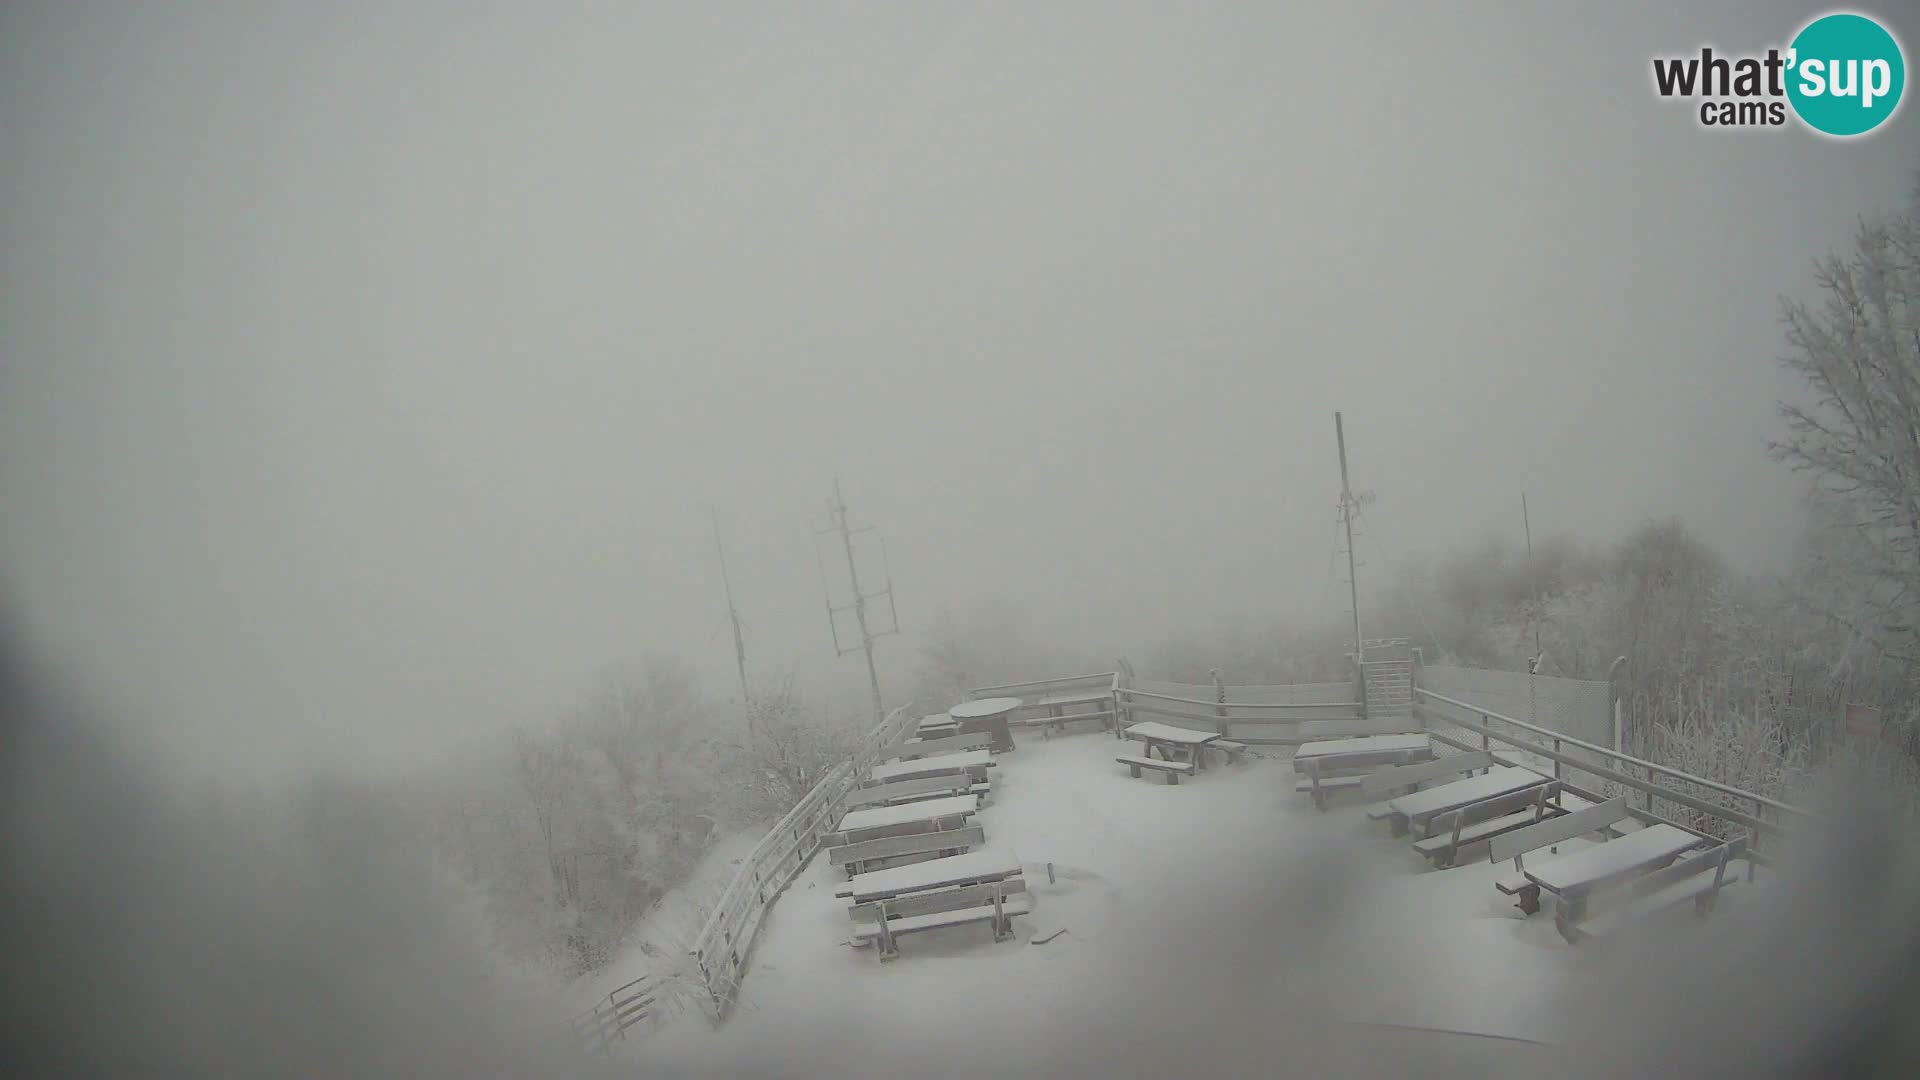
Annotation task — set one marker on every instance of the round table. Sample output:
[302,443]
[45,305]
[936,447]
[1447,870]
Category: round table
[989,715]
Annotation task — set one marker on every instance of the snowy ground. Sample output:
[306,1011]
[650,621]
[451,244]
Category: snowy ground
[1201,911]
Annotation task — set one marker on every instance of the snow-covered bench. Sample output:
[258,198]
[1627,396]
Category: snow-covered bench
[1234,751]
[1696,877]
[858,858]
[995,902]
[1515,845]
[1174,769]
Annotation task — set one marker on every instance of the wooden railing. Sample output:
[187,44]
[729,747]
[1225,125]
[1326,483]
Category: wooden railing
[724,944]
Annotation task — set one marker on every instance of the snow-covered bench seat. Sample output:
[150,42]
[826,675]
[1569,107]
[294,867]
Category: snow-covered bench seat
[1174,769]
[994,902]
[1515,845]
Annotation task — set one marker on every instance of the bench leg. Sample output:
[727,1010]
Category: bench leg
[1136,771]
[1173,777]
[1530,899]
[1400,824]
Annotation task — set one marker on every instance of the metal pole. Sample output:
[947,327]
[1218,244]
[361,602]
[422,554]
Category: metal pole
[1346,519]
[859,598]
[733,613]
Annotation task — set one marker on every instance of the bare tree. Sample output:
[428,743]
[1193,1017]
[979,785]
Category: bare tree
[1859,353]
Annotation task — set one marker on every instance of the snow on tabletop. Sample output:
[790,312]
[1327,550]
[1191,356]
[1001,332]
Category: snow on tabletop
[1365,744]
[1613,857]
[1497,781]
[934,873]
[878,817]
[1153,729]
[932,766]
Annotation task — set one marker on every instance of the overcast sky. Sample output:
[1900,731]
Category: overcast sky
[367,372]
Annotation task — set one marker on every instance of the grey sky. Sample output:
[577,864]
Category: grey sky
[366,373]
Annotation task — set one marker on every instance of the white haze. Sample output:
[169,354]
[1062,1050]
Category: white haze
[367,372]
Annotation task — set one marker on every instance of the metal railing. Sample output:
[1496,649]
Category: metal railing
[1615,766]
[725,942]
[609,1020]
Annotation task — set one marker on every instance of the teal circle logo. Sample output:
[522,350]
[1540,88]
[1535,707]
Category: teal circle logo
[1845,74]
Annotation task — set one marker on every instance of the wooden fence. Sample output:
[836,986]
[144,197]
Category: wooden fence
[724,944]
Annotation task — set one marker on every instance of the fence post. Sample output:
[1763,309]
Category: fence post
[1486,741]
[1753,842]
[1220,696]
[1559,770]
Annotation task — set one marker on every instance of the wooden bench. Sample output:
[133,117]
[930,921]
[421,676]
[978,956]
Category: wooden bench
[1174,769]
[918,789]
[885,920]
[914,749]
[1481,822]
[859,858]
[1696,877]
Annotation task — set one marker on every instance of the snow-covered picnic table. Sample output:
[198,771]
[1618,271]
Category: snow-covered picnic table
[1168,738]
[988,715]
[1364,744]
[1501,780]
[971,761]
[1603,863]
[973,868]
[901,818]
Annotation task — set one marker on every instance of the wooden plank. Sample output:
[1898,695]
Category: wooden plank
[1006,909]
[1386,780]
[1182,767]
[1327,783]
[888,847]
[974,866]
[1559,829]
[908,905]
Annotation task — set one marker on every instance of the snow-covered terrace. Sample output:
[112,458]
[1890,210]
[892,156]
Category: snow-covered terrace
[1212,910]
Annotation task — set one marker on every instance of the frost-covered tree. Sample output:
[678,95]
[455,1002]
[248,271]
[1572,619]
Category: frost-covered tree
[1859,352]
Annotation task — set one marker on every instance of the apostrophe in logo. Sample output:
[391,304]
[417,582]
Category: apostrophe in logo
[1842,75]
[1846,74]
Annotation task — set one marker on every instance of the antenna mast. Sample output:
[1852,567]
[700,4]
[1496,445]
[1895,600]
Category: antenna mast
[837,513]
[733,614]
[1347,507]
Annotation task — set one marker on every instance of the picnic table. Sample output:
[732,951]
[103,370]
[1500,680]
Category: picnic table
[970,761]
[989,715]
[973,868]
[899,819]
[1365,744]
[1423,806]
[1572,876]
[1169,738]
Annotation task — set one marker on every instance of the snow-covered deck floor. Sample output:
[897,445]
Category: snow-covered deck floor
[1224,900]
